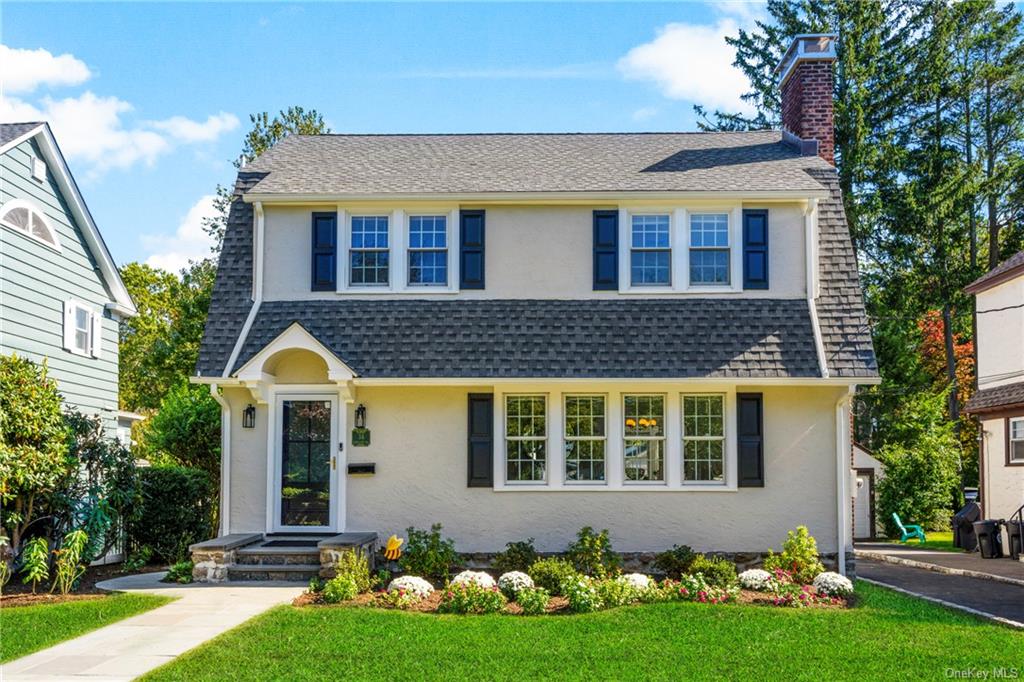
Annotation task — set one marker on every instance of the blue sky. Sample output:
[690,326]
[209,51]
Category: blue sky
[150,101]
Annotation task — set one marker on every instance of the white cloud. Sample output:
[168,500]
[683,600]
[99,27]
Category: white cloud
[188,243]
[645,113]
[691,62]
[187,130]
[26,70]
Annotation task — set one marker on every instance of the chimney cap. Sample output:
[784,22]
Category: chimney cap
[806,47]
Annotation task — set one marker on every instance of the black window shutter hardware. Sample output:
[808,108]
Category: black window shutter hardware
[324,266]
[481,440]
[750,436]
[755,248]
[606,250]
[471,249]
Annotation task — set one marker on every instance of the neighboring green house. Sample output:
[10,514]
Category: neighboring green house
[61,296]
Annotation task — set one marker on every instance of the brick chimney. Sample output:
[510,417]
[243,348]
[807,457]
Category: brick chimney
[805,80]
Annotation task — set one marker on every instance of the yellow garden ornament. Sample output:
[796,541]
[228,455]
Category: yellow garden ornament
[392,549]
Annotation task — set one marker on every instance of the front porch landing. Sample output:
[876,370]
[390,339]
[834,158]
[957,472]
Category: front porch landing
[257,556]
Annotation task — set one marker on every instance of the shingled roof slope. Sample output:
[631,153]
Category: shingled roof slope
[1008,269]
[996,398]
[12,131]
[573,162]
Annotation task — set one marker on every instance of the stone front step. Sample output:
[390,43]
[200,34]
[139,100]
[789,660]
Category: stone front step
[277,556]
[288,572]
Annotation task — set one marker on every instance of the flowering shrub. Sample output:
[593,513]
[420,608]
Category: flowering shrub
[476,577]
[638,580]
[616,592]
[798,596]
[339,588]
[696,588]
[398,598]
[471,597]
[582,595]
[514,582]
[660,592]
[799,556]
[533,600]
[833,585]
[757,579]
[410,583]
[552,573]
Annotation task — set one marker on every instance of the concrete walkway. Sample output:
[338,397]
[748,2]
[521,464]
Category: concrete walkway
[134,646]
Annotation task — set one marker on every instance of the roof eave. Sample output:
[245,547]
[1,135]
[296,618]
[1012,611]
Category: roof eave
[991,281]
[523,197]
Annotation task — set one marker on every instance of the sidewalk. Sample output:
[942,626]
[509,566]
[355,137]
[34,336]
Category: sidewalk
[134,646]
[961,563]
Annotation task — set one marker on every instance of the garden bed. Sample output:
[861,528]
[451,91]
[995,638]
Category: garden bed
[16,593]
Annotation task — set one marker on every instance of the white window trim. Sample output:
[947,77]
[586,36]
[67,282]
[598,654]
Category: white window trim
[1011,440]
[428,288]
[393,217]
[505,438]
[95,329]
[724,438]
[614,463]
[566,439]
[37,210]
[663,438]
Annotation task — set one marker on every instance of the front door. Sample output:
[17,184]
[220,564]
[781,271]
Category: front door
[305,464]
[864,506]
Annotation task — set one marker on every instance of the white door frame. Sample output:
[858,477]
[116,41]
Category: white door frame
[275,415]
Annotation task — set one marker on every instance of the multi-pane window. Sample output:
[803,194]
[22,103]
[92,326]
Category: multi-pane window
[650,251]
[584,438]
[369,257]
[20,216]
[82,339]
[428,250]
[703,438]
[709,248]
[1016,454]
[644,442]
[525,437]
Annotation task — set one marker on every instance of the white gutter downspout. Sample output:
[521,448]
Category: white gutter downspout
[842,476]
[225,459]
[257,287]
[811,265]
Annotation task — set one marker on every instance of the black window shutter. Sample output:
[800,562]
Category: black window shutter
[481,440]
[471,250]
[755,248]
[606,250]
[750,418]
[325,252]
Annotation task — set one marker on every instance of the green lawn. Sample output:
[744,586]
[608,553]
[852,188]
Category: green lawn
[936,540]
[888,635]
[25,629]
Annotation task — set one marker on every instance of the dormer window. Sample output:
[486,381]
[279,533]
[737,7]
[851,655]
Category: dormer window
[26,218]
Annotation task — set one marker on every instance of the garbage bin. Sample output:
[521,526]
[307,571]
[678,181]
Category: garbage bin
[1013,537]
[963,527]
[990,538]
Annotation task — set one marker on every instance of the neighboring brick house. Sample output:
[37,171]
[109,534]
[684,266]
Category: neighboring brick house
[658,334]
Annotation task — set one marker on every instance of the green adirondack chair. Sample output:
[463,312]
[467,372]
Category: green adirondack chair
[908,531]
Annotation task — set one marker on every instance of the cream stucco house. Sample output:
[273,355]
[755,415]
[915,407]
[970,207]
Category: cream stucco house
[517,335]
[999,401]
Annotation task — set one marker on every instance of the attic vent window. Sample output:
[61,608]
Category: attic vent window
[38,169]
[26,218]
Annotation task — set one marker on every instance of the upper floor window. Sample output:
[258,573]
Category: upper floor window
[428,250]
[369,255]
[525,437]
[703,438]
[82,329]
[650,251]
[709,248]
[27,218]
[643,450]
[1016,442]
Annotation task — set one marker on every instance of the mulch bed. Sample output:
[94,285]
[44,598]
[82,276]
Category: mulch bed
[15,593]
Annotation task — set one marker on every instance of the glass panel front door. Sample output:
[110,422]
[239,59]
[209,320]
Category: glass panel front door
[306,463]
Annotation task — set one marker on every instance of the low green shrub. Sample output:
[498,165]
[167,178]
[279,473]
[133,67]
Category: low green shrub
[551,574]
[428,554]
[799,557]
[614,592]
[398,598]
[592,554]
[469,597]
[137,560]
[316,585]
[340,588]
[676,561]
[180,572]
[518,556]
[717,572]
[176,511]
[35,562]
[583,595]
[68,564]
[533,600]
[356,566]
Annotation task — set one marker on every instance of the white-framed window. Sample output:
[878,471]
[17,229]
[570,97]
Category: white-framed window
[650,250]
[28,219]
[703,438]
[526,438]
[83,329]
[643,445]
[585,438]
[1015,455]
[710,254]
[428,250]
[369,251]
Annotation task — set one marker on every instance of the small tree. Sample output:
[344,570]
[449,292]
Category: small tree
[33,443]
[186,429]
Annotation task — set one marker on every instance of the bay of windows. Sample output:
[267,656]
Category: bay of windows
[644,437]
[585,438]
[525,437]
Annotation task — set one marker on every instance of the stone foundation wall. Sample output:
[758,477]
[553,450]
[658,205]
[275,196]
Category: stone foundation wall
[211,566]
[329,557]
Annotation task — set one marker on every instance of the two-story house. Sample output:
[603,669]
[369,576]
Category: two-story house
[517,335]
[60,292]
[999,401]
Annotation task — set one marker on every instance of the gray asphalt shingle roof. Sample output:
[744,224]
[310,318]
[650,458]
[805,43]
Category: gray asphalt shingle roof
[12,131]
[581,162]
[996,398]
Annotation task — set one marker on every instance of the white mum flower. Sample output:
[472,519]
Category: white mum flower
[478,577]
[833,584]
[410,583]
[756,579]
[637,580]
[514,582]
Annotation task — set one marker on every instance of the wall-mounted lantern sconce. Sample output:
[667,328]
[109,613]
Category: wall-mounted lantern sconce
[361,416]
[248,417]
